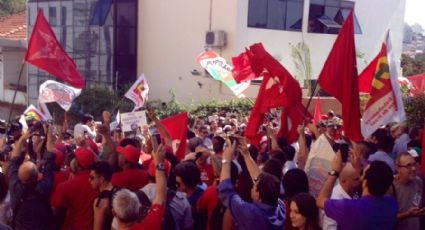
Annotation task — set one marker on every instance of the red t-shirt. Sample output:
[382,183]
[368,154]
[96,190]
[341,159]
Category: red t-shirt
[77,197]
[132,179]
[60,177]
[209,201]
[153,220]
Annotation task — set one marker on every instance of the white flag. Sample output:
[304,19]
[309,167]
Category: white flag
[52,91]
[138,92]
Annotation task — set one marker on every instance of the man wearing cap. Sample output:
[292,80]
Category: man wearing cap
[320,157]
[131,177]
[76,196]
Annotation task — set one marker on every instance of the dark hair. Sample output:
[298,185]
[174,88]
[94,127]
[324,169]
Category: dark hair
[385,143]
[279,155]
[102,168]
[130,141]
[86,117]
[379,177]
[289,152]
[295,181]
[307,207]
[193,143]
[274,167]
[189,173]
[244,185]
[3,187]
[414,143]
[308,140]
[253,151]
[282,142]
[268,187]
[218,144]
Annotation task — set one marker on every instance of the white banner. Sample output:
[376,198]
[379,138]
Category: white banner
[52,91]
[132,119]
[138,92]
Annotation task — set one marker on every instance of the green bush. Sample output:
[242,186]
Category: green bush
[415,110]
[94,101]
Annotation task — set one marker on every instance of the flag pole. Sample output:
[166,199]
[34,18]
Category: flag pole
[16,91]
[309,100]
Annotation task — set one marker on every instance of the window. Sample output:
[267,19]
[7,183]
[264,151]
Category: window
[276,14]
[327,16]
[53,19]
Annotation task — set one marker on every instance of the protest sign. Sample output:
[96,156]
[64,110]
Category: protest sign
[132,119]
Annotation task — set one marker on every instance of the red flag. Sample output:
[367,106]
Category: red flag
[45,52]
[177,128]
[339,79]
[366,77]
[242,70]
[290,118]
[317,112]
[278,89]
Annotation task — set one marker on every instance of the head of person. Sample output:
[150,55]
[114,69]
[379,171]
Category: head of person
[87,119]
[218,144]
[126,207]
[188,176]
[273,167]
[331,128]
[378,178]
[406,167]
[289,152]
[100,174]
[304,213]
[295,181]
[266,189]
[204,131]
[193,143]
[279,155]
[84,158]
[28,173]
[385,143]
[350,179]
[128,156]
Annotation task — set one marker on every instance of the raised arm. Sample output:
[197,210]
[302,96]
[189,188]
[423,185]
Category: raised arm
[161,128]
[161,181]
[253,169]
[303,152]
[326,190]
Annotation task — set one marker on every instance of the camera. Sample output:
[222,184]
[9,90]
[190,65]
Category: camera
[344,148]
[37,129]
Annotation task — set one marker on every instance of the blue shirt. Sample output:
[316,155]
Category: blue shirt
[368,212]
[251,215]
[382,156]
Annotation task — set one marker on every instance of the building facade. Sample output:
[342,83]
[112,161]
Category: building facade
[99,36]
[172,33]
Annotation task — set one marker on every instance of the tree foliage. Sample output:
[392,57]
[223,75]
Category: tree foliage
[415,110]
[8,7]
[412,66]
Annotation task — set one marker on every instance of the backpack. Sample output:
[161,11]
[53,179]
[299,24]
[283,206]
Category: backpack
[168,222]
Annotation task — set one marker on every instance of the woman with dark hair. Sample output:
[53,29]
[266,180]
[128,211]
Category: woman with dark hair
[294,182]
[304,213]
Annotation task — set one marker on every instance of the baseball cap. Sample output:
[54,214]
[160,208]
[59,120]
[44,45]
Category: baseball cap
[85,157]
[151,169]
[130,153]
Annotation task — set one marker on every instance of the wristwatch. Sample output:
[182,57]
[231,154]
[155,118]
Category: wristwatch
[160,167]
[333,173]
[224,161]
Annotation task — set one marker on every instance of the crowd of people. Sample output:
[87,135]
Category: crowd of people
[97,177]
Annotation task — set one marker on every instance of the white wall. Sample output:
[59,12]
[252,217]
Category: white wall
[171,35]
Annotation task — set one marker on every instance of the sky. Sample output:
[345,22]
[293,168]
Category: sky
[415,12]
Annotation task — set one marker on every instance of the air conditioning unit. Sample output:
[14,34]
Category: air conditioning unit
[216,38]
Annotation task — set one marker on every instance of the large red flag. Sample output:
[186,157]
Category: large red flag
[278,90]
[317,112]
[45,52]
[339,79]
[177,128]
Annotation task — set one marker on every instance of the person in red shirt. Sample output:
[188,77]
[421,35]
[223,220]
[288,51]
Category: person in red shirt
[76,196]
[125,205]
[132,177]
